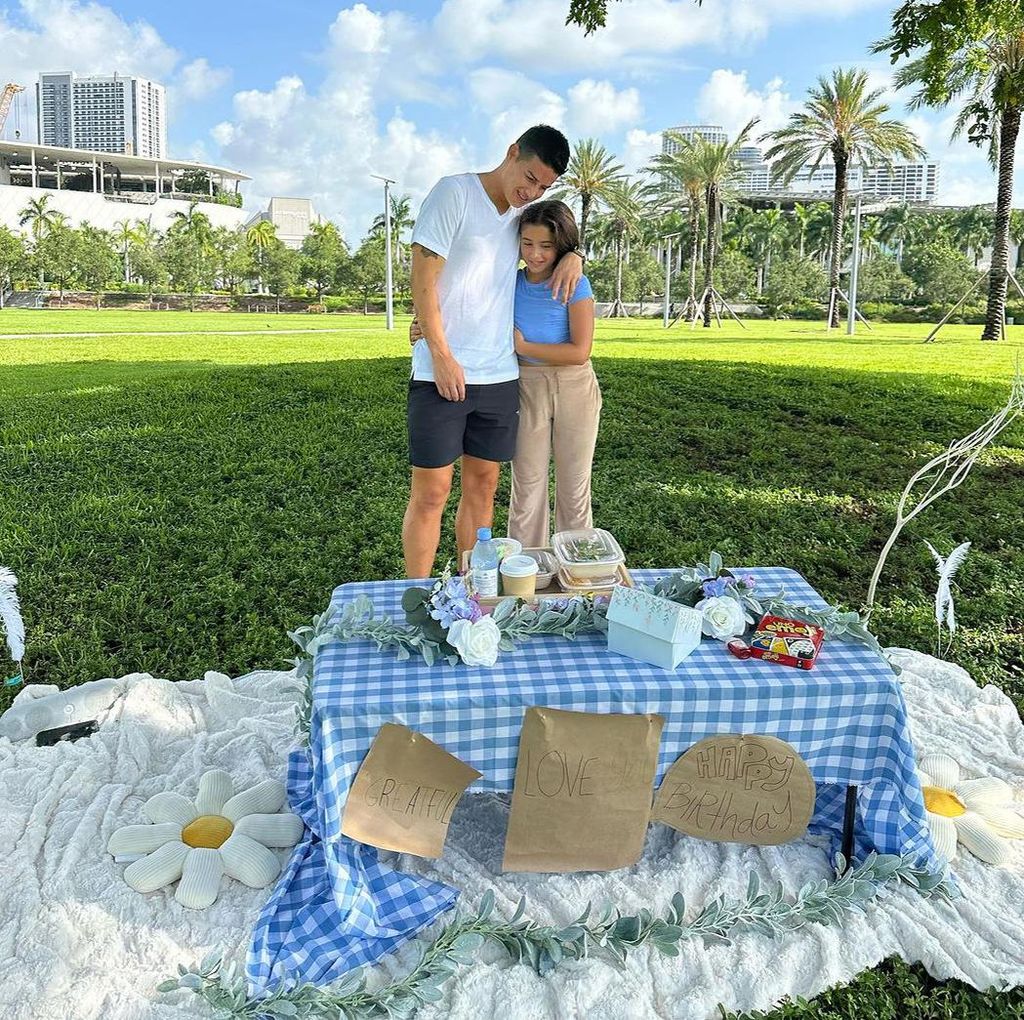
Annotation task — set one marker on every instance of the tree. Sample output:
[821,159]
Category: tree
[259,238]
[794,281]
[648,277]
[897,227]
[590,177]
[401,221]
[843,121]
[802,220]
[281,267]
[719,171]
[769,228]
[12,257]
[124,235]
[882,280]
[591,15]
[57,252]
[735,276]
[681,178]
[626,202]
[234,259]
[98,263]
[324,256]
[40,219]
[189,253]
[939,270]
[973,50]
[368,271]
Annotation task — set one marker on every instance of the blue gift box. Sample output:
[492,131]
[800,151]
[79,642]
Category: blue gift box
[650,628]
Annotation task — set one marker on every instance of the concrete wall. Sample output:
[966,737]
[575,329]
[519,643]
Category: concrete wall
[100,211]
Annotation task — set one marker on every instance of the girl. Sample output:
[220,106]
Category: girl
[559,398]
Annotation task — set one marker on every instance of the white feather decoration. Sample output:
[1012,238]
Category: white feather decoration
[946,568]
[10,614]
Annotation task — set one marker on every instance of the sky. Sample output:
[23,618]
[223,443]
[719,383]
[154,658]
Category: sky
[310,98]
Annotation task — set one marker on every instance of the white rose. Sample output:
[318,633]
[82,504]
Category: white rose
[723,617]
[476,643]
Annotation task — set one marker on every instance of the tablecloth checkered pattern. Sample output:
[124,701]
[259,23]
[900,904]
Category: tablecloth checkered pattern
[337,907]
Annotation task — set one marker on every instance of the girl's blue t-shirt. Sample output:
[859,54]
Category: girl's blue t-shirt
[538,316]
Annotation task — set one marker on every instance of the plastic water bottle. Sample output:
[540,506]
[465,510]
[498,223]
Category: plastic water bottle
[483,564]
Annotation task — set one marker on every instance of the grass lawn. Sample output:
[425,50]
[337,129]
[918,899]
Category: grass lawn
[175,503]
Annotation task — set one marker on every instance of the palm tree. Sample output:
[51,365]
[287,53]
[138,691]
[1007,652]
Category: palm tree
[768,228]
[841,120]
[401,220]
[802,220]
[680,177]
[994,77]
[260,236]
[719,171]
[973,228]
[589,177]
[40,220]
[626,205]
[124,237]
[819,230]
[897,228]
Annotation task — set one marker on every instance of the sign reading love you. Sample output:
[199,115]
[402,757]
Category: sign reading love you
[738,789]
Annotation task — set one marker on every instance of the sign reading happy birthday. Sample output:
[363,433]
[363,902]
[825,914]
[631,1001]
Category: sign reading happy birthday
[738,788]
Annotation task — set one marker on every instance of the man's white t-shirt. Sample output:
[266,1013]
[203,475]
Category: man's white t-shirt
[476,288]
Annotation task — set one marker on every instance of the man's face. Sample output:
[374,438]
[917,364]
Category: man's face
[526,180]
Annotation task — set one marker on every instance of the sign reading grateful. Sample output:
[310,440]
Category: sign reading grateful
[582,795]
[738,789]
[405,792]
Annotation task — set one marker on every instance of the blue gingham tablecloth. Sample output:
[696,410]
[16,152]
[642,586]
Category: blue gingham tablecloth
[337,907]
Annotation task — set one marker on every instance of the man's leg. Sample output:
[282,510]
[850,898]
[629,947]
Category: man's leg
[479,483]
[421,528]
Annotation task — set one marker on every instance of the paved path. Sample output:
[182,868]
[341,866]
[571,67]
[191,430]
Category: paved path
[189,332]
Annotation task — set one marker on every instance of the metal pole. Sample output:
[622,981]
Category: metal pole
[389,301]
[851,314]
[668,279]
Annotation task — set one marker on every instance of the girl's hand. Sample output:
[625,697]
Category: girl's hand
[520,340]
[414,331]
[565,277]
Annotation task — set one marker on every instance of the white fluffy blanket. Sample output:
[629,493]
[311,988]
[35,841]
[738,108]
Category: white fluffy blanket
[76,942]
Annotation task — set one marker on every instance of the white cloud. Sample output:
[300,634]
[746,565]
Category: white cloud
[597,108]
[641,146]
[513,102]
[728,99]
[89,38]
[198,79]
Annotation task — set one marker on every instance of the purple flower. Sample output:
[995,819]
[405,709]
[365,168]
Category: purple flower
[716,588]
[748,581]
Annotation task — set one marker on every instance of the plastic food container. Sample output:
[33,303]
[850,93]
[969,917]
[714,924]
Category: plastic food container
[547,566]
[519,576]
[575,586]
[508,546]
[588,553]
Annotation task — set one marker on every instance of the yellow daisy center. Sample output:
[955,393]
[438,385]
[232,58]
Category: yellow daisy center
[941,802]
[207,831]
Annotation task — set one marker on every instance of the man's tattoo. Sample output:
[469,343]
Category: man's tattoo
[426,251]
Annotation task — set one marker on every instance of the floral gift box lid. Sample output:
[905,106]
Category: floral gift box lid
[650,628]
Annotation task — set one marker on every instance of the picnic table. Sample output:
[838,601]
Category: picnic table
[337,906]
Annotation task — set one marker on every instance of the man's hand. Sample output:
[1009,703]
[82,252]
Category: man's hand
[520,340]
[415,333]
[449,378]
[565,277]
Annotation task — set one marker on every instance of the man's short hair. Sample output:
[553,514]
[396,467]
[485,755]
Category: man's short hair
[548,144]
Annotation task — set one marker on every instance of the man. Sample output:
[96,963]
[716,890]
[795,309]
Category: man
[464,390]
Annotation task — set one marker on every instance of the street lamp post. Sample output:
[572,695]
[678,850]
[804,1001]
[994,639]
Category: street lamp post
[389,303]
[851,304]
[668,277]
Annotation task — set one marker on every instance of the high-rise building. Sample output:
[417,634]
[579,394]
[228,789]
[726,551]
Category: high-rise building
[713,133]
[102,114]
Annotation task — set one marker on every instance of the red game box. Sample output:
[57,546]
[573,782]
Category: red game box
[788,642]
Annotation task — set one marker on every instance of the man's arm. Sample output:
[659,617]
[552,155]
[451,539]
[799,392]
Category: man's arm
[426,270]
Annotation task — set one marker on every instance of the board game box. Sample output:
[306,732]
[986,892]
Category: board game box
[788,642]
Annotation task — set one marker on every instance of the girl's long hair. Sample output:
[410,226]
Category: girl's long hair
[558,218]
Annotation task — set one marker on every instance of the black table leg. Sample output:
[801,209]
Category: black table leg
[849,817]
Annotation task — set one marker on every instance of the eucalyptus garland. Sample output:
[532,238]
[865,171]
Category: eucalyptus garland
[764,909]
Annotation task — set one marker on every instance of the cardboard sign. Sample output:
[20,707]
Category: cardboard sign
[405,792]
[582,795]
[738,789]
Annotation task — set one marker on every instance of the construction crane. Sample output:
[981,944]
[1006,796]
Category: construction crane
[6,98]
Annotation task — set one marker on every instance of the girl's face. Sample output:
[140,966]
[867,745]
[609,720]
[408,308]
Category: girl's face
[537,248]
